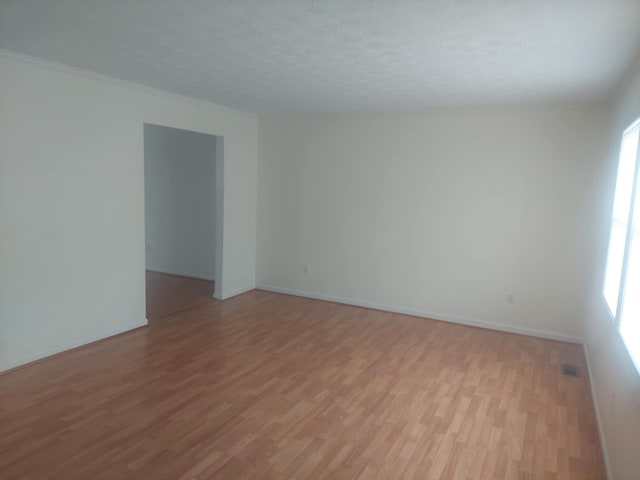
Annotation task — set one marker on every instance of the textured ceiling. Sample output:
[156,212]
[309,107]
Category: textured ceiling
[337,55]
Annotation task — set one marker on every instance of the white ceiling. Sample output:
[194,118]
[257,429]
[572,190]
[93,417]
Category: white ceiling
[337,55]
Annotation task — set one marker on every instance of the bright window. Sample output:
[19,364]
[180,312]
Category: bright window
[622,275]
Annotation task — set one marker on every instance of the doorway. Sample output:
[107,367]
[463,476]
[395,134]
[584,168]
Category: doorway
[182,218]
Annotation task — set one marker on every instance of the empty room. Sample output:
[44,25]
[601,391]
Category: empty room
[320,239]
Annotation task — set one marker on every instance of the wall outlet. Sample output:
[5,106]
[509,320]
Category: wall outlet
[148,247]
[509,298]
[305,269]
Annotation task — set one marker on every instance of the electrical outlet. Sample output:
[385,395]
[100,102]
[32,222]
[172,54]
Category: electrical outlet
[509,298]
[148,247]
[305,269]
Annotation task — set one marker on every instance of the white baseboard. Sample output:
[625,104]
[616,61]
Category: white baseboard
[179,273]
[69,345]
[424,314]
[603,444]
[235,293]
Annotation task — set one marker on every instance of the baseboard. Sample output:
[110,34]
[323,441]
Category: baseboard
[179,274]
[235,293]
[603,444]
[424,314]
[71,345]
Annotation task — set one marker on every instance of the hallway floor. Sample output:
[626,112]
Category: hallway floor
[169,294]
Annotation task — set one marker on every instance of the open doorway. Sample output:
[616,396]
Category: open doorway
[182,218]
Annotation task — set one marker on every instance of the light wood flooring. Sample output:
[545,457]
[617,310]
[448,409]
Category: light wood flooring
[170,294]
[269,386]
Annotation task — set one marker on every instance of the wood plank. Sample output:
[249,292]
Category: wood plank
[274,386]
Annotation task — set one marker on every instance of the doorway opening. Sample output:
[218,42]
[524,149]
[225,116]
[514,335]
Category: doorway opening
[183,218]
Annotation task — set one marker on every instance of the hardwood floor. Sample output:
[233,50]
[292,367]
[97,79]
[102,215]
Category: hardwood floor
[272,386]
[169,294]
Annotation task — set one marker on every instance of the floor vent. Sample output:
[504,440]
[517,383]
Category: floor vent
[570,370]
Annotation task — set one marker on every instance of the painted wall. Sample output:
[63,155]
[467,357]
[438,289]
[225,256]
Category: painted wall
[180,201]
[442,214]
[72,250]
[616,383]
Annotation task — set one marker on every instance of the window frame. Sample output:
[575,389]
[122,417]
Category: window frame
[629,233]
[622,290]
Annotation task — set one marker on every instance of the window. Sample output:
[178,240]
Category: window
[622,275]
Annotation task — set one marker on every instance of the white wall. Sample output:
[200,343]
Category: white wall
[616,383]
[72,252]
[180,197]
[442,213]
